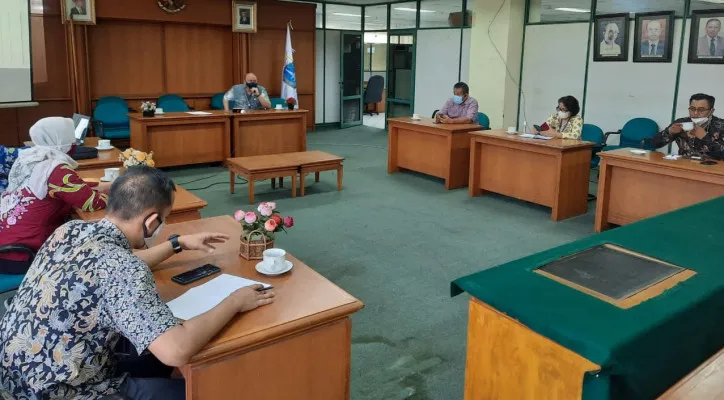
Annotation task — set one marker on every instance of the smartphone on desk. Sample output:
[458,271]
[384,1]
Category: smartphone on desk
[195,274]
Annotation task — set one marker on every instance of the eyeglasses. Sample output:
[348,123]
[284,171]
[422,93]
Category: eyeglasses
[561,109]
[698,110]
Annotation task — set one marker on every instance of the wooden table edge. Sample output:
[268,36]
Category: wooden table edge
[642,161]
[481,136]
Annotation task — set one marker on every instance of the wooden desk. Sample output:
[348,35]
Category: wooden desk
[632,187]
[105,159]
[705,382]
[186,206]
[553,173]
[434,149]
[262,132]
[181,139]
[297,348]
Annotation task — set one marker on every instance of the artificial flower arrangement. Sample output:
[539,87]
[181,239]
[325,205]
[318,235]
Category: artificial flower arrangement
[258,229]
[131,157]
[291,102]
[148,109]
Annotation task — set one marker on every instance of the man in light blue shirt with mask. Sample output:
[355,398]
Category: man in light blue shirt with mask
[461,109]
[247,96]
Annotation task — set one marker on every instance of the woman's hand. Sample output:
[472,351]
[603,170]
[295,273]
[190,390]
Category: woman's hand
[552,133]
[103,187]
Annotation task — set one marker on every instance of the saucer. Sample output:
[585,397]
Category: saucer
[416,119]
[260,269]
[511,133]
[639,152]
[104,148]
[105,179]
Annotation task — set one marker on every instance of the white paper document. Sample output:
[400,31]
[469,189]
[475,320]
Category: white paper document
[198,113]
[532,136]
[202,298]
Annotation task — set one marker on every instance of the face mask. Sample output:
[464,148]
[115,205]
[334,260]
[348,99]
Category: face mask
[149,239]
[700,121]
[458,99]
[563,114]
[251,85]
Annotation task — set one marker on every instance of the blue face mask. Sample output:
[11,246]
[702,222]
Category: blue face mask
[458,99]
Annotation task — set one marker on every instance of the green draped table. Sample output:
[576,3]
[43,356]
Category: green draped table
[530,336]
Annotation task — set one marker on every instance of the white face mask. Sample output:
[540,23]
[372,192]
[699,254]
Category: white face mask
[700,121]
[563,114]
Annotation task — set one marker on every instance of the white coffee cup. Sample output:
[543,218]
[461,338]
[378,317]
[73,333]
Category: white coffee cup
[104,143]
[511,129]
[275,260]
[111,173]
[415,116]
[687,126]
[278,107]
[159,110]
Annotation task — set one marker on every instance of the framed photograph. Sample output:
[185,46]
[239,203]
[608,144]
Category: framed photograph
[79,11]
[611,38]
[654,37]
[706,45]
[243,16]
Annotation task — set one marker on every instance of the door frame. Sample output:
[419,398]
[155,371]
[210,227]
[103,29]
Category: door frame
[389,99]
[360,96]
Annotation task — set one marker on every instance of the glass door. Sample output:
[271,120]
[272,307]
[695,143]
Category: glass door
[400,74]
[350,84]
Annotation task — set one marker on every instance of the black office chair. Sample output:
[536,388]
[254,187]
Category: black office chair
[373,92]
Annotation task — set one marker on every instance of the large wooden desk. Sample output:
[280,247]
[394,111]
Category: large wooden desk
[180,138]
[553,173]
[297,348]
[632,187]
[186,206]
[105,159]
[439,150]
[263,132]
[705,382]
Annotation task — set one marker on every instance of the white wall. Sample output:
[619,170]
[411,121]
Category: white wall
[620,91]
[437,64]
[465,57]
[319,78]
[548,72]
[699,78]
[331,90]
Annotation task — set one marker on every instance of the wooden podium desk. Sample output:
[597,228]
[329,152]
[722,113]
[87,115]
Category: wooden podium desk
[263,132]
[440,150]
[632,187]
[297,348]
[186,205]
[553,173]
[180,138]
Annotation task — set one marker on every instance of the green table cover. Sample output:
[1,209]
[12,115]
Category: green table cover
[645,349]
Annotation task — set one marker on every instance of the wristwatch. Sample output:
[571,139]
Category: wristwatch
[174,243]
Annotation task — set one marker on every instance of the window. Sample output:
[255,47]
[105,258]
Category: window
[320,16]
[639,6]
[441,13]
[375,52]
[376,18]
[403,15]
[561,10]
[344,17]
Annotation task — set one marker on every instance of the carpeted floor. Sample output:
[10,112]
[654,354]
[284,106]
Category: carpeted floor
[395,242]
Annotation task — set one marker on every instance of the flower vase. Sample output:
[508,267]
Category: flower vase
[290,107]
[149,113]
[253,245]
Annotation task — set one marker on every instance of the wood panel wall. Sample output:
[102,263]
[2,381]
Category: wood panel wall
[139,52]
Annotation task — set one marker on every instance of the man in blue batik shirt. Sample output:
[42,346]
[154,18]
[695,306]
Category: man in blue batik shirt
[247,96]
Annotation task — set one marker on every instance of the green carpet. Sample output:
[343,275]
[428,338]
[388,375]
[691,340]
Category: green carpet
[396,242]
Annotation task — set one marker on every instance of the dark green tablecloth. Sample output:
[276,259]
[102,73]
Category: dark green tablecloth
[643,350]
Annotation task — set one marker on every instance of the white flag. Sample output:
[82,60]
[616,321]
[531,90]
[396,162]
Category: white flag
[289,74]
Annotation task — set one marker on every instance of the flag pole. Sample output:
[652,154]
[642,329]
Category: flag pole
[289,24]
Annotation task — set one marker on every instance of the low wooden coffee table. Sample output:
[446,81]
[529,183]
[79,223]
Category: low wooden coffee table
[316,161]
[259,168]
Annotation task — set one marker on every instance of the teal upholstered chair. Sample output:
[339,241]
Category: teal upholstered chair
[110,121]
[278,100]
[483,121]
[172,103]
[636,133]
[112,99]
[592,133]
[217,102]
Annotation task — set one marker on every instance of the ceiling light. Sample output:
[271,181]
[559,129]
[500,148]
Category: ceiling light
[713,1]
[413,10]
[575,10]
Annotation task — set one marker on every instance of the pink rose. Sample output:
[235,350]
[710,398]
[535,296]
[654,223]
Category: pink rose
[272,205]
[288,222]
[277,218]
[250,217]
[239,215]
[265,210]
[270,225]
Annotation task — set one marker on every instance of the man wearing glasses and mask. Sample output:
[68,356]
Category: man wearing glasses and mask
[247,96]
[699,134]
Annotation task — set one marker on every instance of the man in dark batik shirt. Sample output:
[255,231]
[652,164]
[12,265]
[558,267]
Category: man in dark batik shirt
[705,140]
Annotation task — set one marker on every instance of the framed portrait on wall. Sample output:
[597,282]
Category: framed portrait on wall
[611,38]
[706,42]
[243,16]
[79,11]
[654,37]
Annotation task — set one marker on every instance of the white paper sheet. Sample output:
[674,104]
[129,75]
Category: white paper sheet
[203,298]
[532,136]
[198,113]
